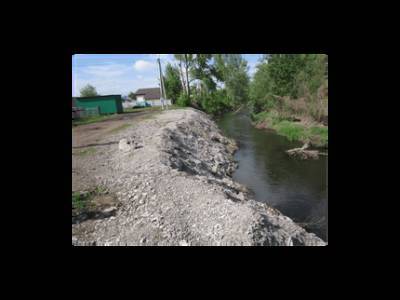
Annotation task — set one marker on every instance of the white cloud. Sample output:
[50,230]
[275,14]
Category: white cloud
[144,65]
[107,70]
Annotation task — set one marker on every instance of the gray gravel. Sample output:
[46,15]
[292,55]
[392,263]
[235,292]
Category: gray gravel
[171,178]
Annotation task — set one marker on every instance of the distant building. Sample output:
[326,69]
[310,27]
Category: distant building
[128,103]
[151,96]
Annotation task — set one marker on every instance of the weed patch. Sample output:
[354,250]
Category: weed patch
[84,152]
[119,128]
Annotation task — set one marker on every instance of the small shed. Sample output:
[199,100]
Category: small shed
[109,104]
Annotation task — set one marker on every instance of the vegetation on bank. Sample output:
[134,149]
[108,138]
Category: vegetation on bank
[289,93]
[214,83]
[316,135]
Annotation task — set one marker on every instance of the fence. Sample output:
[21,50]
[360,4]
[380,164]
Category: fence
[80,112]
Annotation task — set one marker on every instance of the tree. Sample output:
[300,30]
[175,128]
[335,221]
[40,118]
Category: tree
[260,88]
[291,84]
[132,96]
[185,62]
[172,82]
[88,91]
[232,71]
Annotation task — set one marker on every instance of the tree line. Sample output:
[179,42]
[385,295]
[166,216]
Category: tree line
[290,84]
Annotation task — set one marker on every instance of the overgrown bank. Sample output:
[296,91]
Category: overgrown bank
[289,93]
[313,133]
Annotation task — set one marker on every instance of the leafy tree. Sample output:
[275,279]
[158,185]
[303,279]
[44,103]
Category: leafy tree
[282,79]
[260,89]
[232,70]
[132,96]
[88,91]
[172,83]
[183,100]
[185,62]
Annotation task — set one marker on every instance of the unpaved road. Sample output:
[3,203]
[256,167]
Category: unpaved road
[170,186]
[91,134]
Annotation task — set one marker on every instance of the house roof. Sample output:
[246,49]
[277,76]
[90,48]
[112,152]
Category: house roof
[151,93]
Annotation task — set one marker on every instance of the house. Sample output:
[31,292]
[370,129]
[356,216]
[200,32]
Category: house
[128,102]
[151,96]
[109,104]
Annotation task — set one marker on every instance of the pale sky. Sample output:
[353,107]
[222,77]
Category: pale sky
[125,73]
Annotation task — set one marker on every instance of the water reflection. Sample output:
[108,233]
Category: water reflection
[297,188]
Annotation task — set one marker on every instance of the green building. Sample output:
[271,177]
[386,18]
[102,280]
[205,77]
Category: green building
[110,104]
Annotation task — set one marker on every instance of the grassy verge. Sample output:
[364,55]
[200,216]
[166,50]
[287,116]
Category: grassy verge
[82,202]
[119,128]
[90,120]
[87,151]
[315,134]
[140,109]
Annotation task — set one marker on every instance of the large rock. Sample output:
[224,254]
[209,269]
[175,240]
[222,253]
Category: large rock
[123,145]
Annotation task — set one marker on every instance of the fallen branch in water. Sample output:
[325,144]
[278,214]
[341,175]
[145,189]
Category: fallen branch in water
[235,112]
[303,153]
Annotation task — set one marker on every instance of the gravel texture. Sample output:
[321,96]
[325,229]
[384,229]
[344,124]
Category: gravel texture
[170,177]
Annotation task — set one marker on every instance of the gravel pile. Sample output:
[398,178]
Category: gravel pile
[171,178]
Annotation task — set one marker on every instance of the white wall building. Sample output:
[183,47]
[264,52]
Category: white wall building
[151,96]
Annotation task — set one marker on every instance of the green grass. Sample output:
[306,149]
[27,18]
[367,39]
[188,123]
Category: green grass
[321,133]
[87,151]
[80,202]
[119,128]
[90,120]
[294,132]
[317,135]
[151,108]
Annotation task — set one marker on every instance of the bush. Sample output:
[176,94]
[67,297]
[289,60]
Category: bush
[320,134]
[292,131]
[183,100]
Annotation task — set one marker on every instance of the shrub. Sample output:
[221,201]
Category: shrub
[319,133]
[183,100]
[291,131]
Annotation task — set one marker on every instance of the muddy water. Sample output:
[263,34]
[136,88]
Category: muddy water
[297,188]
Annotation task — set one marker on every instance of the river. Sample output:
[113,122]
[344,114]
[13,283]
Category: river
[299,189]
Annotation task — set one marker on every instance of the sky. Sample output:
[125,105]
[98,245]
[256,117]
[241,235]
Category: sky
[124,73]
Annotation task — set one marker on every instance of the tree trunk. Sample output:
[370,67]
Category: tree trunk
[187,75]
[182,77]
[302,153]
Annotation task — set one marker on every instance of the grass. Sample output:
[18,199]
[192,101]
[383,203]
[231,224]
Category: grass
[90,120]
[87,151]
[119,128]
[316,135]
[294,132]
[80,202]
[140,109]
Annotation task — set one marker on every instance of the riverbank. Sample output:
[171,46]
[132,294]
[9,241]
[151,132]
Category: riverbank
[300,130]
[166,180]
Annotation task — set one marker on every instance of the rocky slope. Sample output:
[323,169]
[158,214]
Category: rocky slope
[171,179]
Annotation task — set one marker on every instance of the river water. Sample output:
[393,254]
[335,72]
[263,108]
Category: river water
[296,188]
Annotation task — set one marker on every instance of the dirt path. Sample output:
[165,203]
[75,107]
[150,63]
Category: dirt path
[90,134]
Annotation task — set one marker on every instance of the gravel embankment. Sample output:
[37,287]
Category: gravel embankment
[172,186]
